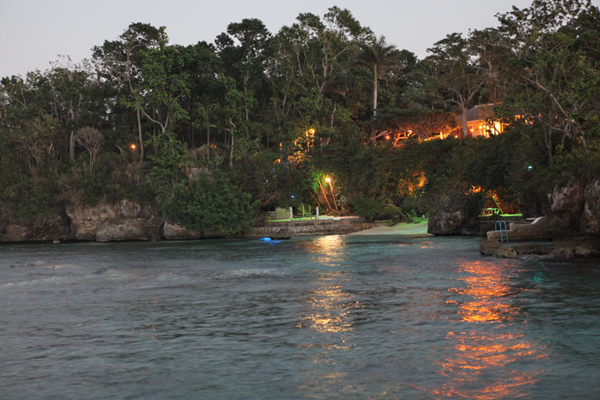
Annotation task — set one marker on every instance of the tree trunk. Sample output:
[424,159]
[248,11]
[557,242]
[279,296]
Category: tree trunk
[463,118]
[375,93]
[207,142]
[548,137]
[72,146]
[141,139]
[231,151]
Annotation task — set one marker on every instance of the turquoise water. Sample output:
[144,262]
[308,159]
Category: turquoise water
[333,317]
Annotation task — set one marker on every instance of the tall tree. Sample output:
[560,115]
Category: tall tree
[121,62]
[556,69]
[314,58]
[453,72]
[378,56]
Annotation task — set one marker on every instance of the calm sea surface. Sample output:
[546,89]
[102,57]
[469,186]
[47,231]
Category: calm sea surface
[333,317]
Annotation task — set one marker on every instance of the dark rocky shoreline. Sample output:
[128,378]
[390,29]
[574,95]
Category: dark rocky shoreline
[583,247]
[129,221]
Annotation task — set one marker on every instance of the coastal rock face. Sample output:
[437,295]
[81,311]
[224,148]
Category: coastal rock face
[495,248]
[566,205]
[489,247]
[124,220]
[532,248]
[567,199]
[582,247]
[452,216]
[575,209]
[15,230]
[590,221]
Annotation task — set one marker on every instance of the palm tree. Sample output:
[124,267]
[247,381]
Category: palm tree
[378,56]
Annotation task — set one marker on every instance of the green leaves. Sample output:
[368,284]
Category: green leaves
[212,205]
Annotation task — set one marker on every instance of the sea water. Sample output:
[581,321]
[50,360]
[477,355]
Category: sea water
[332,317]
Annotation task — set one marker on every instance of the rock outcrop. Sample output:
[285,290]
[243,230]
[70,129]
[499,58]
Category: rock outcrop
[122,221]
[575,209]
[18,233]
[453,216]
[590,217]
[489,247]
[583,247]
[495,248]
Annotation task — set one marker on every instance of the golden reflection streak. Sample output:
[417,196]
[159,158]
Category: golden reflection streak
[329,307]
[329,316]
[480,367]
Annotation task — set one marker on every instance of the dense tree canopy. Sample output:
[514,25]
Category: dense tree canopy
[278,113]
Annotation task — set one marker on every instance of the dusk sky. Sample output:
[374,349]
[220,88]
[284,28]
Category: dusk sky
[35,32]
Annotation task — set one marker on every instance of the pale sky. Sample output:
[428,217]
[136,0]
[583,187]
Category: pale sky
[34,32]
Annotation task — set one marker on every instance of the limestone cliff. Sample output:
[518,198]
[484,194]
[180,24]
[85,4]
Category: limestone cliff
[575,209]
[123,220]
[453,216]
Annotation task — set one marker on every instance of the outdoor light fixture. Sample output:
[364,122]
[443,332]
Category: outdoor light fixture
[133,147]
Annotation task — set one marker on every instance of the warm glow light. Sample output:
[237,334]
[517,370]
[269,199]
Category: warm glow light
[133,147]
[311,131]
[387,137]
[477,354]
[328,180]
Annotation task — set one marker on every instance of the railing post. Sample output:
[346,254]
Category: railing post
[501,226]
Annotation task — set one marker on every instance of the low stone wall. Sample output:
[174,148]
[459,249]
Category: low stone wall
[537,230]
[287,229]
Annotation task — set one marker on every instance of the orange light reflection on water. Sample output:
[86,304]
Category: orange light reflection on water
[482,364]
[330,310]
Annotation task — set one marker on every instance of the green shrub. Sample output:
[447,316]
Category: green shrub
[368,208]
[212,205]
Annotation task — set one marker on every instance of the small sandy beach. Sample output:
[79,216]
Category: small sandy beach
[419,228]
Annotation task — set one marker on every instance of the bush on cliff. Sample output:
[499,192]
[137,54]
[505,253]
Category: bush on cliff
[212,205]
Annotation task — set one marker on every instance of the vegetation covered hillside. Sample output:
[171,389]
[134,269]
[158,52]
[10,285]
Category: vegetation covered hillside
[323,112]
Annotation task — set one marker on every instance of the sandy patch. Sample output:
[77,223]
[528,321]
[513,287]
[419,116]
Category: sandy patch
[398,229]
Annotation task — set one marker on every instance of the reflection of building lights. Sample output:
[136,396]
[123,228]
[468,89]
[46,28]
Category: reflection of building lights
[480,353]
